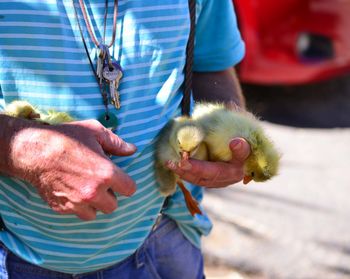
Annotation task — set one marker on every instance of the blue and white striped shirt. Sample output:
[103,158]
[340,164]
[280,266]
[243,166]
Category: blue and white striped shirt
[42,60]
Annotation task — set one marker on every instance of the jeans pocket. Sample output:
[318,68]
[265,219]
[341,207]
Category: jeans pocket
[150,265]
[175,256]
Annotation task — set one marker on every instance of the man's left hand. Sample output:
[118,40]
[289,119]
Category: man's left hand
[216,174]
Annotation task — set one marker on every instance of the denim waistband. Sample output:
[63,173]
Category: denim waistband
[164,226]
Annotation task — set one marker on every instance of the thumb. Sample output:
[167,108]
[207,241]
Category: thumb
[114,145]
[240,150]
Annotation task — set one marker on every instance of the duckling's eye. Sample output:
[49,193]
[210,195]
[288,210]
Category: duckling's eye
[252,174]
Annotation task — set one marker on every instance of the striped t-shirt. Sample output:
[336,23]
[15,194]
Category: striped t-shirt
[43,61]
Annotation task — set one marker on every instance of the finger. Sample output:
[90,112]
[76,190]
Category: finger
[122,183]
[212,185]
[84,212]
[240,150]
[114,145]
[209,174]
[104,201]
[209,183]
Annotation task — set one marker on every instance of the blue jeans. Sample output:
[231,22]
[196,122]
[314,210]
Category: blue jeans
[166,254]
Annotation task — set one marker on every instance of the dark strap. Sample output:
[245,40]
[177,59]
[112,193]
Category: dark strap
[2,225]
[187,86]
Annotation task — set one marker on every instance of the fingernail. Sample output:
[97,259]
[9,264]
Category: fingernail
[236,144]
[131,146]
[171,165]
[131,190]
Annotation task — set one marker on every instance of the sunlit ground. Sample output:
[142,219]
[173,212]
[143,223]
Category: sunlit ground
[296,225]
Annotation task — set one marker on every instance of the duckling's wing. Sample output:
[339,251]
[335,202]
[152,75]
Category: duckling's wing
[163,153]
[164,150]
[54,117]
[166,179]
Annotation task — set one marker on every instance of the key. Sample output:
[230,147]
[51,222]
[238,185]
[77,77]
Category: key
[119,76]
[111,90]
[101,62]
[115,95]
[112,74]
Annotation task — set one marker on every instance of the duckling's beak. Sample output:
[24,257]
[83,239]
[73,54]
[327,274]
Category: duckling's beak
[247,179]
[33,115]
[185,155]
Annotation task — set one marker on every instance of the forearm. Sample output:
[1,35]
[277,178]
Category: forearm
[220,86]
[9,128]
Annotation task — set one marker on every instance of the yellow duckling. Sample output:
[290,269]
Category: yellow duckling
[56,117]
[23,109]
[178,141]
[221,125]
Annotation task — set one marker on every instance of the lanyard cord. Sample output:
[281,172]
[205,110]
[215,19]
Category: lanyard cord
[88,25]
[103,92]
[105,22]
[187,85]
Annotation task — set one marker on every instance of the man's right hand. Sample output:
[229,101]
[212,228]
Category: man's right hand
[68,165]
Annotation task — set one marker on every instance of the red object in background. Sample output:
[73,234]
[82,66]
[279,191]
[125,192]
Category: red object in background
[294,41]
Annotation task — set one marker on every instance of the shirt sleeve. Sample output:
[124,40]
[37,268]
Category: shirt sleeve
[218,42]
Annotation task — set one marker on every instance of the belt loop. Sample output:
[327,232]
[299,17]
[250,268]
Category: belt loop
[157,222]
[140,257]
[160,214]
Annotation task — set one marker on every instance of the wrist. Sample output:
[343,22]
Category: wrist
[222,87]
[234,106]
[10,130]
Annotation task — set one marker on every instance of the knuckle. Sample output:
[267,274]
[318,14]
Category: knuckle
[94,122]
[103,134]
[62,207]
[88,194]
[106,173]
[117,141]
[94,126]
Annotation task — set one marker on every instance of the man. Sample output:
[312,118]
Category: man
[67,208]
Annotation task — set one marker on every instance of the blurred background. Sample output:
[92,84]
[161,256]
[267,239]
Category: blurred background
[296,78]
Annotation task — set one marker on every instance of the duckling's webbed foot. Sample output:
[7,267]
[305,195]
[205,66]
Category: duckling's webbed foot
[191,203]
